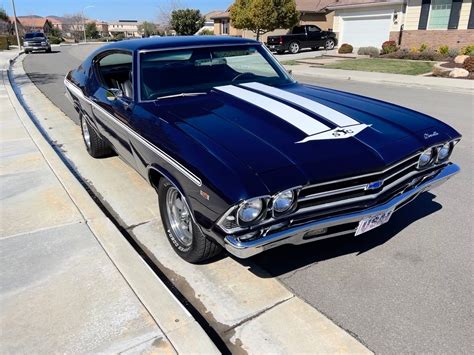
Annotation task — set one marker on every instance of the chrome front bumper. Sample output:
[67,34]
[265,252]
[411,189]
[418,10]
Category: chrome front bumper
[300,234]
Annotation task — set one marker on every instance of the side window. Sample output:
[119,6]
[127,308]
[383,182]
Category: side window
[115,72]
[313,29]
[298,30]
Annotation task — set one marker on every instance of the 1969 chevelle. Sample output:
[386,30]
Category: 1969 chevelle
[241,155]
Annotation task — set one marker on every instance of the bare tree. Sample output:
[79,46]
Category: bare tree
[164,14]
[73,25]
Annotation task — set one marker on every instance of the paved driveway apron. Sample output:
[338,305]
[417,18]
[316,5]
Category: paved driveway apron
[405,287]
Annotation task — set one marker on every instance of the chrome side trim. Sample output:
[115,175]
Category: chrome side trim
[183,170]
[296,235]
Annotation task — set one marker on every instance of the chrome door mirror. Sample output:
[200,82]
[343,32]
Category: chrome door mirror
[113,94]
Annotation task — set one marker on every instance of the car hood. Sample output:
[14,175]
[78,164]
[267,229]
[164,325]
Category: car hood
[302,134]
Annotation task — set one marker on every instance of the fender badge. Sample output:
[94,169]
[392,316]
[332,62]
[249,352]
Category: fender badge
[204,195]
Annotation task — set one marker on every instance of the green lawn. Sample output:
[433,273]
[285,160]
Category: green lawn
[395,66]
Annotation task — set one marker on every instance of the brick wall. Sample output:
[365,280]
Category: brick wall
[434,39]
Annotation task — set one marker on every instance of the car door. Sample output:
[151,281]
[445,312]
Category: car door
[114,100]
[314,34]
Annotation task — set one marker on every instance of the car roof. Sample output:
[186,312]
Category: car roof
[175,41]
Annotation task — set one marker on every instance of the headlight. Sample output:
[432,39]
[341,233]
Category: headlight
[283,201]
[426,158]
[250,210]
[444,152]
[43,43]
[25,43]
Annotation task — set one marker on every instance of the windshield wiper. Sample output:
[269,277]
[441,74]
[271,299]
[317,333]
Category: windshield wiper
[183,94]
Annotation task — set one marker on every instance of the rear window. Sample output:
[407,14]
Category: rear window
[34,35]
[298,30]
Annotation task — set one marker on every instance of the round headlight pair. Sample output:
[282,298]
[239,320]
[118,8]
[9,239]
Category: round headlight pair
[444,152]
[427,157]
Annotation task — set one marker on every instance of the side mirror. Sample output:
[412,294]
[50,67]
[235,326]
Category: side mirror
[290,71]
[113,94]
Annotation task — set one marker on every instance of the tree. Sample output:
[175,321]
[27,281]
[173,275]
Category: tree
[147,29]
[262,16]
[164,13]
[3,15]
[91,30]
[186,21]
[73,26]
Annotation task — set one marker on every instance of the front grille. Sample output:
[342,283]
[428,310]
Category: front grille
[363,191]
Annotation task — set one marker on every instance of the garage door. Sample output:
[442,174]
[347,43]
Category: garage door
[366,31]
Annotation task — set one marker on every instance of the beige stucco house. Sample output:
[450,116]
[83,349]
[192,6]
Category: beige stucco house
[312,12]
[408,22]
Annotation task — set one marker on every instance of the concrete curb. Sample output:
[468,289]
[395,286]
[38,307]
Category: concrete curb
[430,83]
[170,315]
[251,312]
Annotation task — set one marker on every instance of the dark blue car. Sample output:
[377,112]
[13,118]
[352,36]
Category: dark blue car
[241,155]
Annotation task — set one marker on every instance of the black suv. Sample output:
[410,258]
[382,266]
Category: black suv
[36,41]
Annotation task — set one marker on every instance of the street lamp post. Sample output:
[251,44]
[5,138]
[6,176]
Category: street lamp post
[84,21]
[16,27]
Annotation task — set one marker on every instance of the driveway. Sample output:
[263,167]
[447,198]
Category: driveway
[405,287]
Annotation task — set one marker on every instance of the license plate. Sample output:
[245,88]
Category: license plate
[372,222]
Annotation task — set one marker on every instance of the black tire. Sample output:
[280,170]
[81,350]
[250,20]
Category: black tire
[201,247]
[329,44]
[27,51]
[96,146]
[280,51]
[48,50]
[314,48]
[294,47]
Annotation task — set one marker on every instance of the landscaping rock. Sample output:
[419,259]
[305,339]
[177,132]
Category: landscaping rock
[458,73]
[460,59]
[438,70]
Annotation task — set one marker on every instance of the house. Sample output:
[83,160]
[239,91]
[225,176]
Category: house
[438,22]
[129,28]
[312,12]
[209,22]
[408,22]
[35,23]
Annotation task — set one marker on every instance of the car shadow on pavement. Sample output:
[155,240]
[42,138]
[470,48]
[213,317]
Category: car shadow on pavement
[281,260]
[41,78]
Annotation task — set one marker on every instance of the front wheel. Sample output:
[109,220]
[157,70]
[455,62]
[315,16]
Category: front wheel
[183,234]
[330,44]
[294,47]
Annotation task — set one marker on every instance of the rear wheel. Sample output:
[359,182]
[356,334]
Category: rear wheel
[294,47]
[96,146]
[183,234]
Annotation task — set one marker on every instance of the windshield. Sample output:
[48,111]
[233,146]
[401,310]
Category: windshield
[34,35]
[171,72]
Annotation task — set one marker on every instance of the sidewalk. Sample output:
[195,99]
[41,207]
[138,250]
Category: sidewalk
[454,85]
[59,289]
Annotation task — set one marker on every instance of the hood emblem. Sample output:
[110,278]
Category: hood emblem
[374,185]
[337,133]
[431,135]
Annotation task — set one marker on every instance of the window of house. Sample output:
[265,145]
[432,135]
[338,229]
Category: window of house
[439,14]
[225,27]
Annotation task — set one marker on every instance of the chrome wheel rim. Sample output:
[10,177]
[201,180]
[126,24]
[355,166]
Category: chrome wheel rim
[179,217]
[330,44]
[294,47]
[85,133]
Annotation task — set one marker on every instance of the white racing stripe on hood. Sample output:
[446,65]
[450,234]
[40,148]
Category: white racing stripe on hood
[328,113]
[298,119]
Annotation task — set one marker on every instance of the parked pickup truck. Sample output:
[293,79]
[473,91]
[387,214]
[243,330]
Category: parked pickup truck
[308,36]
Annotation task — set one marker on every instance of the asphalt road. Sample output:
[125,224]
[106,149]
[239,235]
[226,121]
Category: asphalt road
[405,287]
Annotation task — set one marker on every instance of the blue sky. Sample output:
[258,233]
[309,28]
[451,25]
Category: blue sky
[108,9]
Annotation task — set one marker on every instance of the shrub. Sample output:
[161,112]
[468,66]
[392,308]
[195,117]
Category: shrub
[389,47]
[423,47]
[55,40]
[453,52]
[3,43]
[119,36]
[468,50]
[372,51]
[206,32]
[345,48]
[414,49]
[444,50]
[407,54]
[429,54]
[469,64]
[12,40]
